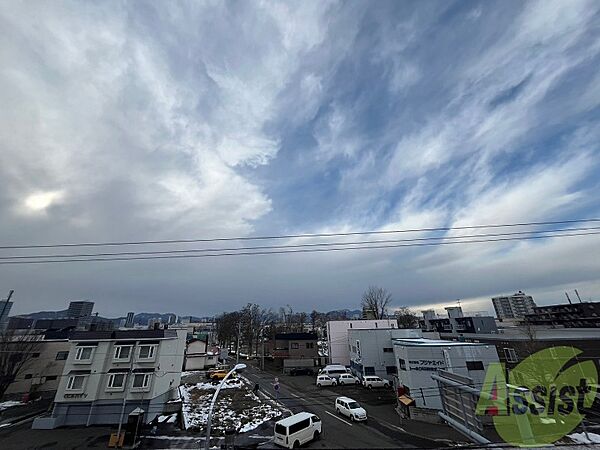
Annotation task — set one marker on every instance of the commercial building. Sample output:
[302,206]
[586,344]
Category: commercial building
[80,309]
[129,320]
[108,374]
[5,307]
[372,353]
[337,336]
[517,343]
[572,315]
[41,373]
[418,359]
[513,306]
[457,322]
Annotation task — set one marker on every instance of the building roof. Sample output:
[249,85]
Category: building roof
[122,334]
[424,342]
[296,337]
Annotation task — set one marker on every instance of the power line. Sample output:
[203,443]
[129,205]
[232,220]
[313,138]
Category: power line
[310,250]
[291,236]
[286,246]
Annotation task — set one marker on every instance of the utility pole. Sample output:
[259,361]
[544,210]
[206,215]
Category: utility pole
[237,352]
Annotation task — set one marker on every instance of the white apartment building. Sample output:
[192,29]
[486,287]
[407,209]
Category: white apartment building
[513,306]
[337,336]
[108,374]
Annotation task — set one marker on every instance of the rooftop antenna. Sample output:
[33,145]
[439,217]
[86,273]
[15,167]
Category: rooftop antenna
[570,302]
[577,293]
[458,301]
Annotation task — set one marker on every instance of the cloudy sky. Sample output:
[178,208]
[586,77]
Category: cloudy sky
[148,120]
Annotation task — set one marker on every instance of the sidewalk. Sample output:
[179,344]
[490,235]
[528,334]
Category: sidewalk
[18,413]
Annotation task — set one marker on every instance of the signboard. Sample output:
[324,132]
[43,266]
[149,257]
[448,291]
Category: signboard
[427,365]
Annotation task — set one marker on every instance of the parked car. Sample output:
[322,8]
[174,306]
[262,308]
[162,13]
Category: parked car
[333,371]
[346,378]
[301,371]
[296,430]
[325,380]
[220,374]
[350,408]
[375,382]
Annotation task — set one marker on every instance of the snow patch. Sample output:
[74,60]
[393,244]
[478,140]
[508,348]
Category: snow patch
[10,404]
[580,438]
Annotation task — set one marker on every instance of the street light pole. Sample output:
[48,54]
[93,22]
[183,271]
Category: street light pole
[237,368]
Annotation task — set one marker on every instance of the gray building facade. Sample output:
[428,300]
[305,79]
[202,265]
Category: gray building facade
[372,352]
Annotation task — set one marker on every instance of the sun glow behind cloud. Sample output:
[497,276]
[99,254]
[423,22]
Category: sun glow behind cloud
[41,201]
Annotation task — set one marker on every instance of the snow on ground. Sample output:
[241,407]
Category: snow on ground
[10,404]
[580,438]
[236,407]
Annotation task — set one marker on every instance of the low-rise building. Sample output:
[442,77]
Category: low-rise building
[418,359]
[457,322]
[108,374]
[337,336]
[41,373]
[567,315]
[198,356]
[372,353]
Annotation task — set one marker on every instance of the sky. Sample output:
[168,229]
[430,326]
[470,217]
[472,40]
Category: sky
[127,121]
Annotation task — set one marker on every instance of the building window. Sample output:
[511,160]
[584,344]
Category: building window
[61,356]
[391,370]
[402,363]
[84,353]
[388,350]
[510,355]
[295,345]
[122,352]
[141,381]
[51,378]
[76,383]
[474,365]
[116,381]
[28,376]
[146,352]
[369,370]
[310,345]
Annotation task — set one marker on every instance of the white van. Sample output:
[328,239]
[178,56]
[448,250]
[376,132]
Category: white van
[296,430]
[334,371]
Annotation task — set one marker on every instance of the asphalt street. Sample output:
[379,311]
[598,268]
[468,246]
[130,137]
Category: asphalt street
[299,393]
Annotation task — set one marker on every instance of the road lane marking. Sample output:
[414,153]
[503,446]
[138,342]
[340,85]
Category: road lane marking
[297,396]
[341,420]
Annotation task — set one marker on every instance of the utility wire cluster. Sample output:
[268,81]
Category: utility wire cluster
[297,243]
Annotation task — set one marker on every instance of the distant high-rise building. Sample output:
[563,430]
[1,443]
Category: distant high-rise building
[80,309]
[129,320]
[5,307]
[513,306]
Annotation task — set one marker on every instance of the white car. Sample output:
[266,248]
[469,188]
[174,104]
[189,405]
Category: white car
[325,380]
[350,408]
[346,378]
[375,382]
[296,430]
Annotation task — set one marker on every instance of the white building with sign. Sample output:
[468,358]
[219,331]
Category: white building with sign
[418,359]
[108,374]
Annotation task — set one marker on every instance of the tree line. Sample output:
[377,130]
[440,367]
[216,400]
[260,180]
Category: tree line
[253,323]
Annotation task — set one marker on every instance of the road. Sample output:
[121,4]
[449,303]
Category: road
[300,394]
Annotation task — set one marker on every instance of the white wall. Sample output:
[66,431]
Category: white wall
[422,361]
[337,336]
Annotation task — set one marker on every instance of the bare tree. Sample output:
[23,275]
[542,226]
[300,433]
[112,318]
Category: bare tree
[376,299]
[15,351]
[406,318]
